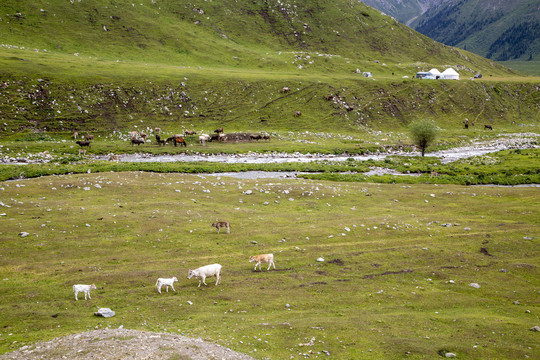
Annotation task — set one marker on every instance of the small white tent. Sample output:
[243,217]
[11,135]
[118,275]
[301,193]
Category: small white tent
[450,74]
[436,73]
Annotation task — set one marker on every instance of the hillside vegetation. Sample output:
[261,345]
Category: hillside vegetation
[238,34]
[102,65]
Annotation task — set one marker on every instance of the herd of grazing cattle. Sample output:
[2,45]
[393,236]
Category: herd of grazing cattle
[200,273]
[139,138]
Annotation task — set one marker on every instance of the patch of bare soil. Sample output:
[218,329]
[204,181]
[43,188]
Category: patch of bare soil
[125,344]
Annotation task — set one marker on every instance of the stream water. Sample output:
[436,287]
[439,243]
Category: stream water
[479,148]
[512,141]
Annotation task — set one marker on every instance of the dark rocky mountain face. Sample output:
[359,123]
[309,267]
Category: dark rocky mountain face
[497,29]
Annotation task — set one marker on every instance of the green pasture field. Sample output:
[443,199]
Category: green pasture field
[394,284]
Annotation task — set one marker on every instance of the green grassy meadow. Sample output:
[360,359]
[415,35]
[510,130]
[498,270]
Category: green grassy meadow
[400,252]
[394,284]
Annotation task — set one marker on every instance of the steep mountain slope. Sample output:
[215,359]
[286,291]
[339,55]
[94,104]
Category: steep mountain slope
[405,11]
[505,31]
[498,29]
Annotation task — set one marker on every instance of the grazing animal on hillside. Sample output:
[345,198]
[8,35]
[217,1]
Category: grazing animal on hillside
[218,131]
[165,282]
[218,225]
[82,152]
[433,174]
[189,132]
[297,113]
[160,141]
[75,134]
[133,134]
[90,137]
[114,157]
[488,127]
[144,136]
[206,271]
[137,141]
[204,138]
[157,130]
[177,139]
[266,137]
[83,288]
[255,136]
[285,89]
[83,143]
[263,258]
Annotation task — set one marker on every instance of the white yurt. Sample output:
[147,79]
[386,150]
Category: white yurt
[436,73]
[450,74]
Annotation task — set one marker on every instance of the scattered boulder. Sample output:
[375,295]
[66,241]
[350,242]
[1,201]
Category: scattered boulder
[105,312]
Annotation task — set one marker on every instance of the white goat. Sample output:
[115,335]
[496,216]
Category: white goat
[83,288]
[165,282]
[205,271]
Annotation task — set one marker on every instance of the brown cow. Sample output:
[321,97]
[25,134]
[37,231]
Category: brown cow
[218,131]
[177,139]
[137,141]
[82,143]
[189,132]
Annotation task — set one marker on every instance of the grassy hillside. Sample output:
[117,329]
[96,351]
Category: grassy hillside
[239,34]
[253,102]
[100,66]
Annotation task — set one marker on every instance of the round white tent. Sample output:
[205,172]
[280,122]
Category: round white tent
[450,74]
[435,73]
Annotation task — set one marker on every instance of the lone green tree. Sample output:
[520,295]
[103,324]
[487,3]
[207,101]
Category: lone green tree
[423,133]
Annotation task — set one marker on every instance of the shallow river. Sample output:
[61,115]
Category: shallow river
[513,141]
